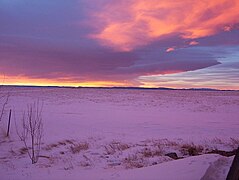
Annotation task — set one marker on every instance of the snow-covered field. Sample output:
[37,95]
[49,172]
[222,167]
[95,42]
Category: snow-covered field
[123,134]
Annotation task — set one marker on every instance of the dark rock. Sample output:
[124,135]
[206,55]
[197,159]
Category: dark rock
[193,151]
[172,155]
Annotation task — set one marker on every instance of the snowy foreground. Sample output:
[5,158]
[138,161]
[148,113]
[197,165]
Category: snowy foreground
[123,134]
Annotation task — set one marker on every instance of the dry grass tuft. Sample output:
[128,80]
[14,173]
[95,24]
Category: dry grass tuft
[50,147]
[147,152]
[234,143]
[191,149]
[76,148]
[115,146]
[23,150]
[134,161]
[58,144]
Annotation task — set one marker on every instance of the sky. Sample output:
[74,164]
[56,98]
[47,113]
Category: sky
[156,43]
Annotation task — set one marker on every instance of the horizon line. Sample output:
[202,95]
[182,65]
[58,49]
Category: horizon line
[122,87]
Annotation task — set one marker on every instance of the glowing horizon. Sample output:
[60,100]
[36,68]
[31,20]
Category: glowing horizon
[45,82]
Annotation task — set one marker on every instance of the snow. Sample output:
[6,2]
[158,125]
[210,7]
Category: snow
[185,169]
[123,134]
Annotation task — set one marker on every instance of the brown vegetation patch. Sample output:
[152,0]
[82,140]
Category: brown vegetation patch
[58,144]
[134,161]
[191,149]
[23,150]
[115,146]
[223,153]
[147,152]
[76,148]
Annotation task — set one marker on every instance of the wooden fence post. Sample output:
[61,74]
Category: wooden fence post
[234,170]
[9,122]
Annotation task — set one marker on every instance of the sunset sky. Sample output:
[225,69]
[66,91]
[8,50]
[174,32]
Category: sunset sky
[145,43]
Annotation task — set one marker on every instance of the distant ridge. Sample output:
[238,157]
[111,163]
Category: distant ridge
[159,88]
[132,88]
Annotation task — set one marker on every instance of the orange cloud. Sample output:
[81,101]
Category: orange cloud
[125,25]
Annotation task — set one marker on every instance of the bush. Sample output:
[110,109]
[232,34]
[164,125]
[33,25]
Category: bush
[32,131]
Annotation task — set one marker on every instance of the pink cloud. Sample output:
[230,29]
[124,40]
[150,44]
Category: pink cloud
[145,21]
[170,49]
[193,43]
